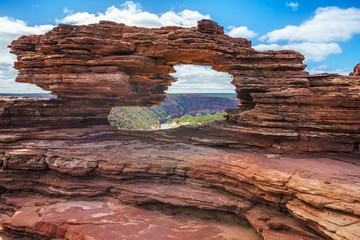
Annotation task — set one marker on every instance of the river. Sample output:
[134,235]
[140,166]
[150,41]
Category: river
[165,126]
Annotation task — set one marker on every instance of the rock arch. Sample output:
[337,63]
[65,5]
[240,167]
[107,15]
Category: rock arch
[95,67]
[113,61]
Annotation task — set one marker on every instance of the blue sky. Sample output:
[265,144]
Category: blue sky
[327,32]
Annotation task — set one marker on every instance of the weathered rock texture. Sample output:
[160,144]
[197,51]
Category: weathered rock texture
[356,71]
[106,219]
[278,194]
[95,67]
[65,174]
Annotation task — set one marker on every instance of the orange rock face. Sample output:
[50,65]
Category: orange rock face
[66,174]
[283,196]
[356,71]
[110,220]
[96,67]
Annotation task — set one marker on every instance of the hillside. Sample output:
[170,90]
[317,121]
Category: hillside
[175,106]
[198,119]
[134,118]
[180,104]
[222,95]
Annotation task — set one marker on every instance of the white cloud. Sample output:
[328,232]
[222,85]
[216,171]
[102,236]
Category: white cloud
[312,51]
[318,69]
[317,37]
[241,31]
[199,79]
[324,69]
[11,29]
[328,24]
[8,85]
[294,6]
[132,14]
[66,10]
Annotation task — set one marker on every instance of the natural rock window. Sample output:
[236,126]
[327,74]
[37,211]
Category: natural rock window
[93,68]
[199,96]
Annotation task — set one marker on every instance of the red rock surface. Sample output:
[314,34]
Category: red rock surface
[283,196]
[356,71]
[95,67]
[109,220]
[57,154]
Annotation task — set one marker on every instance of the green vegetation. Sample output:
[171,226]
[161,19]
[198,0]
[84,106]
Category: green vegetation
[179,104]
[177,110]
[221,95]
[160,112]
[134,118]
[199,118]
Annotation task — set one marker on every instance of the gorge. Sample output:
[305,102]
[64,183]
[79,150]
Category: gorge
[286,160]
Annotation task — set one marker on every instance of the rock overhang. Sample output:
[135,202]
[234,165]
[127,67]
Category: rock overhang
[99,66]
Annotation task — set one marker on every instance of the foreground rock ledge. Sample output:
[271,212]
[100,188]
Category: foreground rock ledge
[283,196]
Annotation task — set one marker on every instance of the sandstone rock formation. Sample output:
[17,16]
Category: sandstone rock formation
[356,71]
[95,67]
[278,194]
[65,171]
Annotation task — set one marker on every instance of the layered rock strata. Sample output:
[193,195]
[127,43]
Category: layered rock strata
[59,158]
[283,196]
[356,71]
[95,67]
